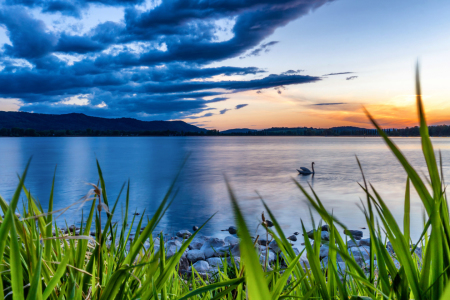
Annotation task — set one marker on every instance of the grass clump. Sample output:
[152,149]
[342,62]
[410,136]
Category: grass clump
[38,261]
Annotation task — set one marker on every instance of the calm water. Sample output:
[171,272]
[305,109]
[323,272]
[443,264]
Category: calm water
[263,164]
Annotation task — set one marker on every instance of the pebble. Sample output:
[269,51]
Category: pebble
[184,234]
[231,229]
[292,238]
[274,246]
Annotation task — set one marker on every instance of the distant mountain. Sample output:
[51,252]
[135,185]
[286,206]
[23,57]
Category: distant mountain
[76,121]
[237,130]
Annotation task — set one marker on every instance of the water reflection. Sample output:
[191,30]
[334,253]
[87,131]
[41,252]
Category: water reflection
[264,164]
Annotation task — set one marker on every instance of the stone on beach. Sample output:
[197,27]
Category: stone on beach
[201,266]
[172,246]
[274,246]
[215,262]
[210,245]
[363,251]
[292,238]
[356,234]
[231,229]
[184,234]
[270,258]
[195,255]
[232,240]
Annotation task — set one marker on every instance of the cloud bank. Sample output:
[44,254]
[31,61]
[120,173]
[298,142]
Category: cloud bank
[152,64]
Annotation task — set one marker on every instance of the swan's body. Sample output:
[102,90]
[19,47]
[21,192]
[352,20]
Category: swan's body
[306,171]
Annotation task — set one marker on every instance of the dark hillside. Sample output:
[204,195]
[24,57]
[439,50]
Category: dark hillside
[81,122]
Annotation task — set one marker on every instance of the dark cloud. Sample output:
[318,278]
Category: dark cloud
[239,106]
[351,77]
[292,72]
[341,73]
[279,89]
[223,111]
[337,103]
[152,64]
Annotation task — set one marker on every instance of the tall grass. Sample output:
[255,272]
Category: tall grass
[38,261]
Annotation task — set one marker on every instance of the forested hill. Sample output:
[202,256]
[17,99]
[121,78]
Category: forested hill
[81,122]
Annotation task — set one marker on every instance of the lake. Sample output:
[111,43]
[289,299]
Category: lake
[264,164]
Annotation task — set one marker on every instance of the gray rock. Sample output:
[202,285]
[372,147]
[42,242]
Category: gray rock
[390,248]
[215,262]
[236,251]
[325,236]
[351,244]
[338,259]
[262,241]
[366,265]
[195,255]
[418,252]
[172,246]
[356,234]
[231,229]
[363,251]
[271,257]
[184,263]
[292,238]
[304,262]
[237,261]
[365,242]
[201,266]
[274,246]
[210,245]
[184,234]
[232,240]
[196,243]
[223,251]
[324,228]
[340,266]
[324,251]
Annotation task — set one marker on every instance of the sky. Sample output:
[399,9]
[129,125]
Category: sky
[226,64]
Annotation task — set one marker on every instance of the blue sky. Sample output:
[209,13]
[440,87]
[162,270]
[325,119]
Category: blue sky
[226,64]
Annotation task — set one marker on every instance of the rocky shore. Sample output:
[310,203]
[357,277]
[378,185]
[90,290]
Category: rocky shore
[207,253]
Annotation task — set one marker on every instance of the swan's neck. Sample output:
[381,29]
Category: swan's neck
[312,167]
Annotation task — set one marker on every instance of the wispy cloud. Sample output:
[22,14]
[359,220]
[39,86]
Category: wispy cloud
[351,78]
[292,72]
[336,103]
[262,48]
[340,73]
[223,111]
[239,106]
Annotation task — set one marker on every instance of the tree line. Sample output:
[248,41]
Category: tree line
[438,130]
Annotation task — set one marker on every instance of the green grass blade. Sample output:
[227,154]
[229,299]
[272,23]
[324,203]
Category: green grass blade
[15,262]
[59,273]
[256,284]
[35,291]
[9,214]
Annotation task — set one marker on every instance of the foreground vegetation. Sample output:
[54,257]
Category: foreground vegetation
[37,265]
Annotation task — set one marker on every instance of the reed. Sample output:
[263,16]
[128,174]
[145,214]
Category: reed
[38,261]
